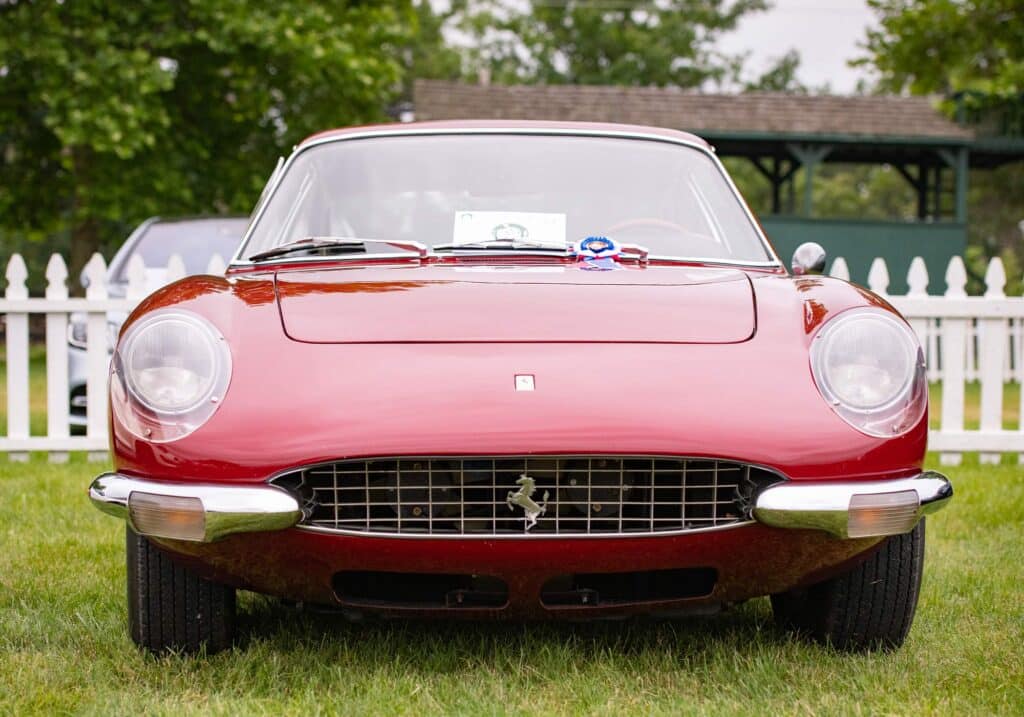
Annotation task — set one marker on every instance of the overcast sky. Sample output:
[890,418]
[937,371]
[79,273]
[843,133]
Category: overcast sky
[825,32]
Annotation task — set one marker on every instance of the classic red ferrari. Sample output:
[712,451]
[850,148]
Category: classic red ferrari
[517,370]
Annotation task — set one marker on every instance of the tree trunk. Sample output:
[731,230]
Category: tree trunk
[85,240]
[85,234]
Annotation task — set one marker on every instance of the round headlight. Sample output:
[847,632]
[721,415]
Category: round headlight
[870,368]
[173,367]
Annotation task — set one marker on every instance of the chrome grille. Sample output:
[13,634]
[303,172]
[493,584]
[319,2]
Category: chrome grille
[581,495]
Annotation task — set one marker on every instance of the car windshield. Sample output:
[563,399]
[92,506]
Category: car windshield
[194,240]
[515,188]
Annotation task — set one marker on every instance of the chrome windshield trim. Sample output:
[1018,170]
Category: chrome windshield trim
[446,259]
[238,259]
[712,260]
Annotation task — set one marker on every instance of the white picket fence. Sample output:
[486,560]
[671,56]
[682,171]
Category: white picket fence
[16,306]
[966,338]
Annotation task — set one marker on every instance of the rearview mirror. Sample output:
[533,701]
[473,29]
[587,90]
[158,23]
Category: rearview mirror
[809,258]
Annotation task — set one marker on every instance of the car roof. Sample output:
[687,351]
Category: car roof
[450,126]
[198,218]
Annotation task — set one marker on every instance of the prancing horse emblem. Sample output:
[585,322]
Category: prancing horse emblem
[524,499]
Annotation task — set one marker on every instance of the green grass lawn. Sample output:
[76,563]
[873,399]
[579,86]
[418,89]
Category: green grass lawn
[972,405]
[64,648]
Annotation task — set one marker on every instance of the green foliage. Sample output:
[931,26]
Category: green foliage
[858,191]
[847,191]
[630,42]
[973,49]
[110,112]
[780,76]
[428,54]
[946,46]
[996,208]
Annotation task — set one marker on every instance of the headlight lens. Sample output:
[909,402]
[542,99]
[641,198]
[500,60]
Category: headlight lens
[870,368]
[171,371]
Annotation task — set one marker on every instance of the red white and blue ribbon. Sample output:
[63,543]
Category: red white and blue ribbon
[597,248]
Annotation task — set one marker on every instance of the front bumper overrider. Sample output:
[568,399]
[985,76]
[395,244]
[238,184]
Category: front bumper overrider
[205,513]
[862,509]
[193,511]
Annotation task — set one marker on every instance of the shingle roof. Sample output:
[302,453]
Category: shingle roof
[755,113]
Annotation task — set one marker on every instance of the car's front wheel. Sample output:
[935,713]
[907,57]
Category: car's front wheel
[870,606]
[170,608]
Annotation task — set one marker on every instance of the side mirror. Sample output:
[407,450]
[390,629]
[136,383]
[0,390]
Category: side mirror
[809,258]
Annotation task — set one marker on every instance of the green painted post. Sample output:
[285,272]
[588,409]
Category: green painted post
[809,157]
[961,185]
[809,187]
[957,161]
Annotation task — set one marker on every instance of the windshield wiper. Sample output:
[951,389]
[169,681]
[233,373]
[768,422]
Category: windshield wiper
[340,243]
[633,251]
[505,245]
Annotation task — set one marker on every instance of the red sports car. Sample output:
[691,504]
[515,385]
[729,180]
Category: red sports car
[517,370]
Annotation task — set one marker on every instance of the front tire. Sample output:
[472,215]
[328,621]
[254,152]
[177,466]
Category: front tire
[170,608]
[869,607]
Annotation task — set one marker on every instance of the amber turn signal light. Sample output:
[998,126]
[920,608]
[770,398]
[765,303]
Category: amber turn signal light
[873,514]
[167,516]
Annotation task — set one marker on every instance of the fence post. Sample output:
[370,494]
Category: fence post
[136,272]
[97,358]
[216,267]
[992,344]
[839,269]
[17,357]
[878,276]
[175,268]
[917,286]
[953,336]
[57,396]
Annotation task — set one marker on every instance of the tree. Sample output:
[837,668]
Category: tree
[973,49]
[948,46]
[110,112]
[428,54]
[626,42]
[781,76]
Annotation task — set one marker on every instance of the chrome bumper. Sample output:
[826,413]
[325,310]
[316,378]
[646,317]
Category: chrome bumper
[845,510]
[854,510]
[205,513]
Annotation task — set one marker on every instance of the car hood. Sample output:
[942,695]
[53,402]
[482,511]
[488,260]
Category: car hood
[293,404]
[531,303]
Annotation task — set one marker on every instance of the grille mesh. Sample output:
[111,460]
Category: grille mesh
[580,495]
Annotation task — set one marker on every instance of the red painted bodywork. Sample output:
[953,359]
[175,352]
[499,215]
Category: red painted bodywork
[366,359]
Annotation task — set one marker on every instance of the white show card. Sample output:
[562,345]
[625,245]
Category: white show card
[472,227]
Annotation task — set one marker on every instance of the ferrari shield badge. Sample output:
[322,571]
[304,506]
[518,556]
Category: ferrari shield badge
[523,498]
